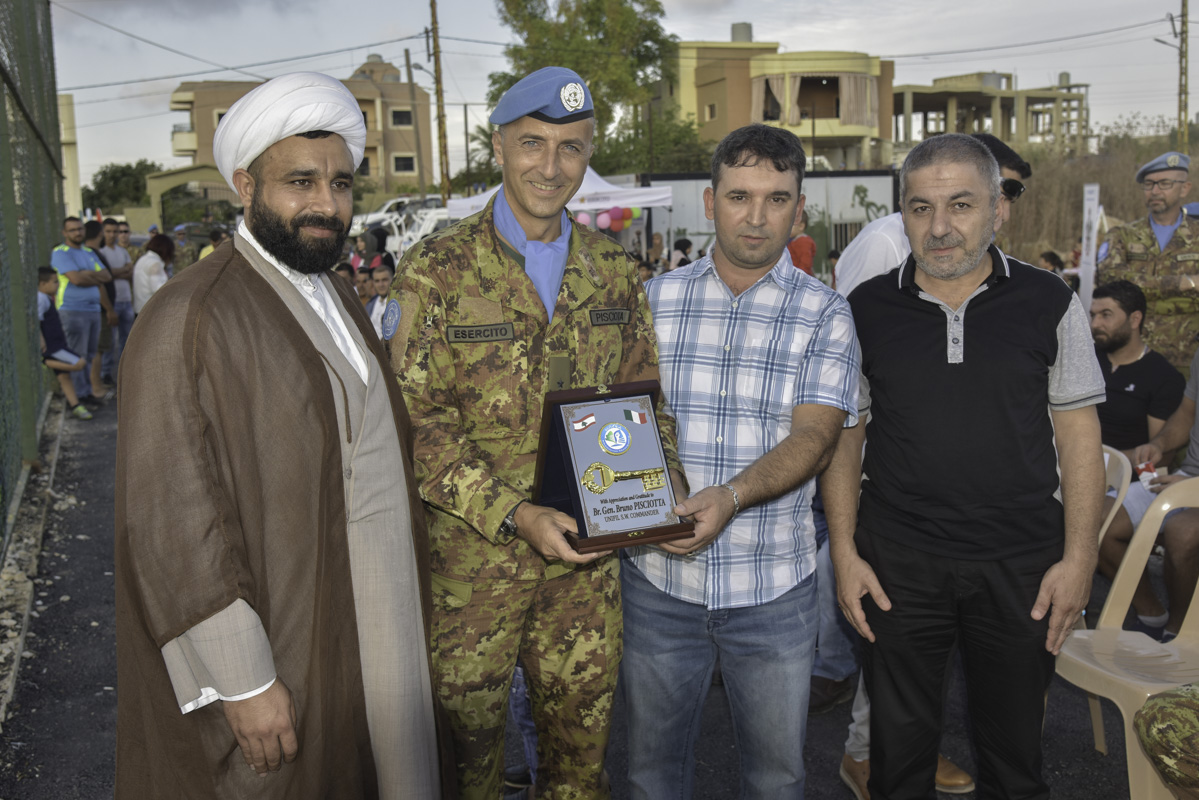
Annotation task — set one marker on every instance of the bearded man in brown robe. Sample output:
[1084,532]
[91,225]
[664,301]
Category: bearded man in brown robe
[267,553]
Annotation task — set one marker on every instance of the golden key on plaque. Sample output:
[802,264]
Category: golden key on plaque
[651,479]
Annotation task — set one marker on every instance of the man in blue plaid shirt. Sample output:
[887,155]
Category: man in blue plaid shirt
[759,362]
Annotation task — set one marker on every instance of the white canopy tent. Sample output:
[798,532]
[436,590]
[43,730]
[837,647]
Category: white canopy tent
[596,194]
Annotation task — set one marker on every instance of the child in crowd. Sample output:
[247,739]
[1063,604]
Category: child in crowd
[55,354]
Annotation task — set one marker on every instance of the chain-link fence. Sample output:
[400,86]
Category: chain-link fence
[30,217]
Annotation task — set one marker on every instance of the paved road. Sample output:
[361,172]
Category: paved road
[60,736]
[59,739]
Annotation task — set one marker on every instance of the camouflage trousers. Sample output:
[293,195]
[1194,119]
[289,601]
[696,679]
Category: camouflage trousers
[1168,728]
[567,633]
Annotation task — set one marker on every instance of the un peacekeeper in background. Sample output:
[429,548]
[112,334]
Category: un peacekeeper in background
[1160,253]
[487,316]
[185,251]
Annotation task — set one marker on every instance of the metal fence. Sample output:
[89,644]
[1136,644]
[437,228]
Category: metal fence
[30,217]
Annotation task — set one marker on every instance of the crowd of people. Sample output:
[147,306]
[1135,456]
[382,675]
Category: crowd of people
[351,584]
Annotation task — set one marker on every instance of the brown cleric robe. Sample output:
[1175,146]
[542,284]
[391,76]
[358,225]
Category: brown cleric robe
[230,487]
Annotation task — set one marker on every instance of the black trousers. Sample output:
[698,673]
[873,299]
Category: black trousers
[984,608]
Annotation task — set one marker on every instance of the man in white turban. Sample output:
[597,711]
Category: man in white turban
[267,556]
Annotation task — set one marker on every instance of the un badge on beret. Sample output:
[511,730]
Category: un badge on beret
[1172,160]
[572,97]
[391,319]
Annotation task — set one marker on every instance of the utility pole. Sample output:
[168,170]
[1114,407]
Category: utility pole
[445,153]
[466,140]
[420,154]
[1180,33]
[1183,123]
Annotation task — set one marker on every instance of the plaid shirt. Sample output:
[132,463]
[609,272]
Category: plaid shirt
[733,368]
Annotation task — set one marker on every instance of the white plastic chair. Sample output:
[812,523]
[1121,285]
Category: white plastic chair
[1127,666]
[1118,477]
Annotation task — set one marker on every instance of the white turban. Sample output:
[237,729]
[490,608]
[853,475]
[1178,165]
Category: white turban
[282,107]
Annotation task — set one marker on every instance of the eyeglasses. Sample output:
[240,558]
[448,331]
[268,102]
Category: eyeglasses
[1165,185]
[123,230]
[1011,188]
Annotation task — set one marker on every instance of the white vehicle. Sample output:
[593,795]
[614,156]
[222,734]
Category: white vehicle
[397,207]
[425,222]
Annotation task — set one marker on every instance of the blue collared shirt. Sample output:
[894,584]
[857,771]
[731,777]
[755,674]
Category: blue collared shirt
[733,368]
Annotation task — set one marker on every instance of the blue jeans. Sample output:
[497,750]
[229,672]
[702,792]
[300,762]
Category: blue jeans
[837,642]
[670,651]
[82,329]
[120,334]
[521,711]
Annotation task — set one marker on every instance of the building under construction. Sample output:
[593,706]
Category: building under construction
[1058,116]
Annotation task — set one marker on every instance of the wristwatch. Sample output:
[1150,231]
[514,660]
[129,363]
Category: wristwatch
[508,526]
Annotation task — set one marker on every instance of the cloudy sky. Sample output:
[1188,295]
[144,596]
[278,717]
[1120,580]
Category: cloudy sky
[1106,43]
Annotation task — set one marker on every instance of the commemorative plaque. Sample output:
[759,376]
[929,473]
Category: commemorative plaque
[601,462]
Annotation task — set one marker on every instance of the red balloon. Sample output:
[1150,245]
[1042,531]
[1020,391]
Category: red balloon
[616,212]
[628,213]
[617,225]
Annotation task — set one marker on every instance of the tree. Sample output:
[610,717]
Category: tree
[662,143]
[618,47]
[115,186]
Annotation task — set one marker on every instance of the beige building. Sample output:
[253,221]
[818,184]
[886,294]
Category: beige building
[72,187]
[988,102]
[838,103]
[391,108]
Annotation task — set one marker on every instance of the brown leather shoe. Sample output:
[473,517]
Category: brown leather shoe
[951,778]
[826,693]
[854,774]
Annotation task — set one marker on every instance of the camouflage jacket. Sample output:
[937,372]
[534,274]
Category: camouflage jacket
[473,354]
[184,257]
[1169,279]
[135,253]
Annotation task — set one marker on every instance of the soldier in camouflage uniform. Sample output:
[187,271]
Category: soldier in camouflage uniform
[186,252]
[1168,728]
[123,241]
[481,336]
[1160,253]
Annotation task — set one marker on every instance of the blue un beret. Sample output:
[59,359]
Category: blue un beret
[1171,160]
[552,94]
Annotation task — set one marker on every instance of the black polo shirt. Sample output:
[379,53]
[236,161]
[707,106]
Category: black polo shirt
[960,458]
[1148,387]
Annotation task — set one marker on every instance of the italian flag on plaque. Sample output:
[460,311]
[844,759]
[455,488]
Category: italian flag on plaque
[636,417]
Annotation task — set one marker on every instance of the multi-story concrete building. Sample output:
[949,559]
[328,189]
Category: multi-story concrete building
[838,103]
[72,187]
[990,102]
[392,109]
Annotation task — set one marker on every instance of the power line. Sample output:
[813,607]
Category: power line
[1027,44]
[834,56]
[243,66]
[118,98]
[123,119]
[149,42]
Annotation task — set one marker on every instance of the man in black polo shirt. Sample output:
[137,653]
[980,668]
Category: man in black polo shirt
[980,380]
[1143,390]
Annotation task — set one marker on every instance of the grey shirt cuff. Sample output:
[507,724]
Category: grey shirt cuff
[225,657]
